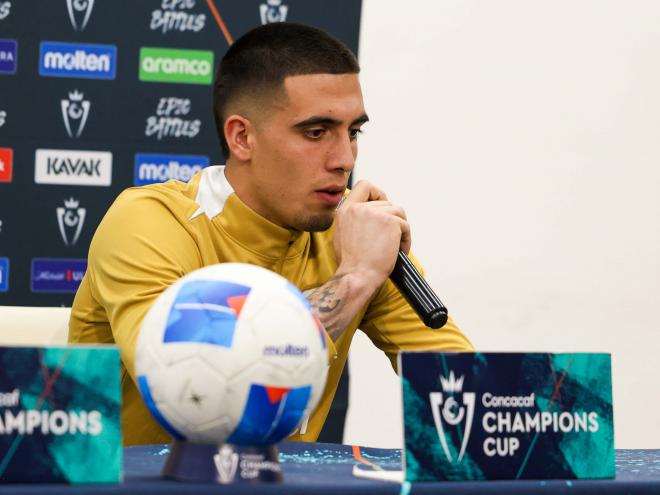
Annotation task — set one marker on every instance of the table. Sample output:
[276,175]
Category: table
[319,468]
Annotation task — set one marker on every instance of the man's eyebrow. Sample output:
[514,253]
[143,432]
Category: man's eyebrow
[322,120]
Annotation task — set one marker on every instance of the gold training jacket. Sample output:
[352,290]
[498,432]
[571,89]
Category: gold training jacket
[154,235]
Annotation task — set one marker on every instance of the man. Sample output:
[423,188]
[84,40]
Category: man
[289,109]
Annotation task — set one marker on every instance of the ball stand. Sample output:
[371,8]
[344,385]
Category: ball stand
[223,464]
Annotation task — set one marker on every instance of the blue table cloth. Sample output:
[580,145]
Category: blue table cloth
[317,468]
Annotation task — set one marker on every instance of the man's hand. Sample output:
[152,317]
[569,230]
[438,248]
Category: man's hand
[369,231]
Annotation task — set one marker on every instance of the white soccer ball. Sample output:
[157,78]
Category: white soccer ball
[231,353]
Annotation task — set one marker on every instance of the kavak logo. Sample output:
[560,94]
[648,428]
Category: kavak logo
[87,61]
[226,462]
[75,111]
[172,119]
[57,275]
[70,219]
[4,274]
[446,409]
[79,12]
[8,56]
[73,167]
[5,10]
[273,11]
[6,164]
[175,15]
[176,65]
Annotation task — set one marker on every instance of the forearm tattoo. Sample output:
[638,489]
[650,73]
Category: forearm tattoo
[327,300]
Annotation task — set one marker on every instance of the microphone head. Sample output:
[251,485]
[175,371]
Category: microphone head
[436,319]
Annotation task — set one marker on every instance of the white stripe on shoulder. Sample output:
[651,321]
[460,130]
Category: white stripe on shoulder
[212,192]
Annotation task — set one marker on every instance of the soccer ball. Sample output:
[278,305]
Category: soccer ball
[231,353]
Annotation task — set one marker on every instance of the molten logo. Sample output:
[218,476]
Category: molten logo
[448,410]
[86,61]
[153,168]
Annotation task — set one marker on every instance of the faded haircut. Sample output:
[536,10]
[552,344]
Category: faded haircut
[256,65]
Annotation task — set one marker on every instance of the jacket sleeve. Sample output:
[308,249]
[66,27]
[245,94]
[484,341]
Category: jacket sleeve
[392,325]
[138,251]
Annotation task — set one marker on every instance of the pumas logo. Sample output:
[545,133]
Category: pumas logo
[8,56]
[71,219]
[172,120]
[73,167]
[75,111]
[226,462]
[87,61]
[175,15]
[6,164]
[4,274]
[151,168]
[273,11]
[57,275]
[448,411]
[79,12]
[5,10]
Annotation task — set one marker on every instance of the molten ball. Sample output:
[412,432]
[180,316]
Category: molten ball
[231,353]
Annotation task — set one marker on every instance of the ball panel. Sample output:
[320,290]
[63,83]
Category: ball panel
[270,414]
[145,390]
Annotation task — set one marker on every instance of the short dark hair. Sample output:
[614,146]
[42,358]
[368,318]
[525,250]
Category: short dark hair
[259,61]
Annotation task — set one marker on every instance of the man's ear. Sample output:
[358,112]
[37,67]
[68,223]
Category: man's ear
[238,132]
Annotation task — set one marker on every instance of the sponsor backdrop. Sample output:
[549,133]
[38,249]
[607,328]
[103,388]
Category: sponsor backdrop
[100,95]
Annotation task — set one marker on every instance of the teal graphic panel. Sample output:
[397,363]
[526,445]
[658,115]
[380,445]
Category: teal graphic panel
[484,416]
[60,414]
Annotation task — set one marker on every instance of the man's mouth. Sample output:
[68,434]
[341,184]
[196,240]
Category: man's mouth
[331,195]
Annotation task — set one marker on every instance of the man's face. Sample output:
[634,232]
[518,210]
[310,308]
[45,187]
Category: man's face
[304,151]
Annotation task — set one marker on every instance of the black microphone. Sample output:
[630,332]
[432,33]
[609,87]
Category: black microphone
[418,292]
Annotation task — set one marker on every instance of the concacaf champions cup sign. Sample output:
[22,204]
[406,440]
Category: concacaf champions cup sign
[483,416]
[100,95]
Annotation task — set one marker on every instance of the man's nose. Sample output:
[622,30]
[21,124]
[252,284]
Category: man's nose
[342,155]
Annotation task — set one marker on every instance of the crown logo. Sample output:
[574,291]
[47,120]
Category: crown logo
[76,95]
[71,203]
[451,384]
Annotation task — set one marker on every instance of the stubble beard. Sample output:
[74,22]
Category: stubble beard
[315,223]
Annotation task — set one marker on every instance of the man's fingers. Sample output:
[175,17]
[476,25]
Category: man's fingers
[406,238]
[364,191]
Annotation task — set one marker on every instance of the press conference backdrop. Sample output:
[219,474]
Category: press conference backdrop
[100,95]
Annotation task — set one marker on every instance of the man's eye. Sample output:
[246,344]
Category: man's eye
[354,133]
[314,133]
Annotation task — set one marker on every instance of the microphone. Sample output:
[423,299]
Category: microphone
[418,292]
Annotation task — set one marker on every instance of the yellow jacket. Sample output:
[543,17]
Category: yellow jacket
[154,235]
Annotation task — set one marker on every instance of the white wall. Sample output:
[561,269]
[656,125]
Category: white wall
[523,139]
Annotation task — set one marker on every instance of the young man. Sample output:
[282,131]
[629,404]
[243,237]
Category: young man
[288,106]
